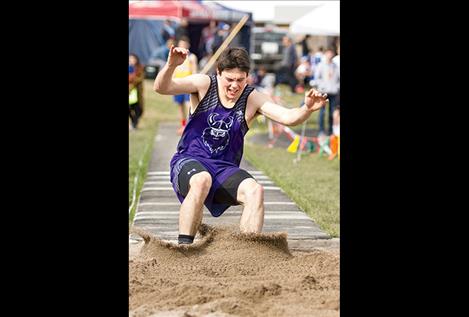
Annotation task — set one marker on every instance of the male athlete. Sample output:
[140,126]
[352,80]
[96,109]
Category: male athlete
[205,169]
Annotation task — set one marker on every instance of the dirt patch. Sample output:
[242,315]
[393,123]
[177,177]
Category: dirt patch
[226,273]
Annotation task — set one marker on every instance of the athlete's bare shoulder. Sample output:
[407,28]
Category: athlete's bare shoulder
[201,81]
[256,99]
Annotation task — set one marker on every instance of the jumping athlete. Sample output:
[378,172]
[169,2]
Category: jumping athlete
[205,169]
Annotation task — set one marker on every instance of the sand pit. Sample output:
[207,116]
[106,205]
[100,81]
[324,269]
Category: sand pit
[226,273]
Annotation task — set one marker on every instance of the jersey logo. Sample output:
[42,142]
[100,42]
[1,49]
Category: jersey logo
[239,115]
[216,136]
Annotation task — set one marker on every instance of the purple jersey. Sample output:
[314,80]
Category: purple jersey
[214,136]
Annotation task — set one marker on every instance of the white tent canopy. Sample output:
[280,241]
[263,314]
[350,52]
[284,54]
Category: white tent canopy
[323,20]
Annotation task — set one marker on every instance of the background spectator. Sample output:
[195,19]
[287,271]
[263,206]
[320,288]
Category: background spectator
[182,30]
[327,77]
[285,74]
[136,76]
[188,67]
[167,32]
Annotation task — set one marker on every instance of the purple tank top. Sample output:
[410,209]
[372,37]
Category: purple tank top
[214,136]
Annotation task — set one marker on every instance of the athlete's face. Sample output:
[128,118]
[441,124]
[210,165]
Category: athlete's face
[232,82]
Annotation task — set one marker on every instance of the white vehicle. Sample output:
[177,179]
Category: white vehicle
[266,47]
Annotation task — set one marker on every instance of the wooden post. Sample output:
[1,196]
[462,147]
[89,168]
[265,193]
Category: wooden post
[224,45]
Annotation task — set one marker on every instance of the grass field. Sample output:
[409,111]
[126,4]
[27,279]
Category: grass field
[157,109]
[313,183]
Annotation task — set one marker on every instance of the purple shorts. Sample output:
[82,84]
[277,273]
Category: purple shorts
[221,173]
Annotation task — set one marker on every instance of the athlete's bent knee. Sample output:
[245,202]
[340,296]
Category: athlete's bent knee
[201,181]
[255,192]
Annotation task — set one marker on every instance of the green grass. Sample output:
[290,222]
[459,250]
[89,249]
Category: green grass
[312,183]
[157,109]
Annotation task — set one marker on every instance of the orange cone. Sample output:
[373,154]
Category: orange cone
[334,146]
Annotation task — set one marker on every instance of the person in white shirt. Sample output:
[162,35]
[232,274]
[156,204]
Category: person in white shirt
[336,59]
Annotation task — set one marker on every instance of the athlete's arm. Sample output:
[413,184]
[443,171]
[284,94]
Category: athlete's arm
[165,84]
[314,100]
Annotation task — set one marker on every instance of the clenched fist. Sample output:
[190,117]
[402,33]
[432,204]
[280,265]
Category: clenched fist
[315,100]
[177,55]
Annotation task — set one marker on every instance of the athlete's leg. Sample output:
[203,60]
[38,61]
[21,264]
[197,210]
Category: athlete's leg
[251,196]
[190,214]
